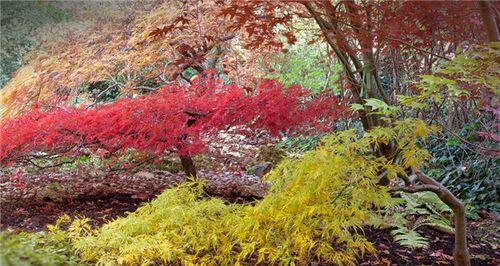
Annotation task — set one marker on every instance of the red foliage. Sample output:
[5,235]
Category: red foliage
[174,119]
[404,25]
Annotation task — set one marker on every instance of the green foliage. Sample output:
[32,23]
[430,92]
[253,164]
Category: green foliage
[40,248]
[478,68]
[306,64]
[424,203]
[412,211]
[98,92]
[469,174]
[433,89]
[20,20]
[299,144]
[409,238]
[377,107]
[462,97]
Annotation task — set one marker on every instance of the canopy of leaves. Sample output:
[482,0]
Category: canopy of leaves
[119,41]
[175,119]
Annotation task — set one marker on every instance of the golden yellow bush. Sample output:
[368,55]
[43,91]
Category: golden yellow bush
[315,211]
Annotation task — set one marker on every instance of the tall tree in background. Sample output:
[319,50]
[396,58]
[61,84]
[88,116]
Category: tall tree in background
[491,20]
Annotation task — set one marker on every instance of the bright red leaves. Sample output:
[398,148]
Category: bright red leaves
[174,119]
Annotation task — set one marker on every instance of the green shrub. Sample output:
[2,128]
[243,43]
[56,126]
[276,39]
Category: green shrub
[40,248]
[299,144]
[469,174]
[415,211]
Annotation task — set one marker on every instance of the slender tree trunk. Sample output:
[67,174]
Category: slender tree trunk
[365,87]
[489,21]
[186,160]
[188,165]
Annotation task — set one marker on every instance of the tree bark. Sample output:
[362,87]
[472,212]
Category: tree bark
[188,165]
[329,32]
[186,160]
[374,88]
[461,256]
[489,21]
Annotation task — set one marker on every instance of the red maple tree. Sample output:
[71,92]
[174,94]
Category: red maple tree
[177,119]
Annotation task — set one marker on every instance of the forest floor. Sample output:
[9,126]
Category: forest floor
[32,205]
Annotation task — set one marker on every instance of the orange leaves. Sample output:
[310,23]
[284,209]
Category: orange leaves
[160,32]
[137,41]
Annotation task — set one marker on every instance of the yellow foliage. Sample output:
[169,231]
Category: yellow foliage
[315,211]
[11,99]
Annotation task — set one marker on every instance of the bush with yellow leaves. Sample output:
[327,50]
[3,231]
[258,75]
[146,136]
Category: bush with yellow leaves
[315,211]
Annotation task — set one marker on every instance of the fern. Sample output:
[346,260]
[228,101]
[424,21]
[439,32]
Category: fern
[425,209]
[409,238]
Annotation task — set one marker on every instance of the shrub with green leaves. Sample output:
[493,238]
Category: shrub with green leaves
[308,64]
[467,172]
[50,248]
[462,97]
[299,144]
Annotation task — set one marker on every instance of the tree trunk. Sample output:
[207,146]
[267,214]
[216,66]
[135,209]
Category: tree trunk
[188,165]
[461,256]
[186,160]
[489,21]
[368,85]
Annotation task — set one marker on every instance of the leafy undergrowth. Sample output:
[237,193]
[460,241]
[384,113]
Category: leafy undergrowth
[36,249]
[41,248]
[315,211]
[468,173]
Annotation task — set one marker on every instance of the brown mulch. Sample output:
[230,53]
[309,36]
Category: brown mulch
[44,197]
[35,216]
[439,253]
